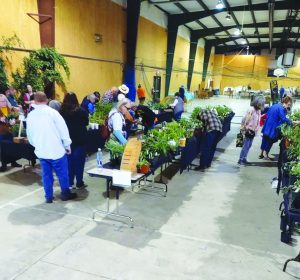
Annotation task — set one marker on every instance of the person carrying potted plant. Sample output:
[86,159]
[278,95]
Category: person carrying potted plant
[77,120]
[249,128]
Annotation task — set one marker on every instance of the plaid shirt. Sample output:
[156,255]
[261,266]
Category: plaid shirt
[211,120]
[107,97]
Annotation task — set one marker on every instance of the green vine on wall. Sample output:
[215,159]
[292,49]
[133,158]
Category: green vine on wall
[41,69]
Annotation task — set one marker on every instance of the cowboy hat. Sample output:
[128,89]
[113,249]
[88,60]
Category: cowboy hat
[124,89]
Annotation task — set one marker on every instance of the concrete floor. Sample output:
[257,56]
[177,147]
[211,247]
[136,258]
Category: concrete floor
[221,224]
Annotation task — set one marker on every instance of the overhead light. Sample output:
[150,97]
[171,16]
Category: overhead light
[228,16]
[237,32]
[220,4]
[243,42]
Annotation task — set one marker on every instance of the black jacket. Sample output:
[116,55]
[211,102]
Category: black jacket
[77,122]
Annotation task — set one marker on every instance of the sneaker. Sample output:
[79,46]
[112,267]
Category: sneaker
[3,168]
[49,200]
[69,196]
[15,164]
[200,168]
[81,186]
[240,162]
[246,162]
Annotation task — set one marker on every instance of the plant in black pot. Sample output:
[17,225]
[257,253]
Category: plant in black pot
[116,151]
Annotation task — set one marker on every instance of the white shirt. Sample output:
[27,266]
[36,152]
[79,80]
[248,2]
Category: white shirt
[47,132]
[115,120]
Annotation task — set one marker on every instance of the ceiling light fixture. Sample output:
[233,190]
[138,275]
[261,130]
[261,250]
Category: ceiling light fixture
[243,42]
[228,16]
[237,32]
[220,5]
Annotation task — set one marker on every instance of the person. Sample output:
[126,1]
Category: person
[213,127]
[281,93]
[47,132]
[116,121]
[181,92]
[85,100]
[250,127]
[5,135]
[178,107]
[28,98]
[88,104]
[54,104]
[276,116]
[77,120]
[10,95]
[110,95]
[5,105]
[141,94]
[149,118]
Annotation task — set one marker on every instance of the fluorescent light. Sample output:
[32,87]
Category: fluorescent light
[228,16]
[243,42]
[237,32]
[220,4]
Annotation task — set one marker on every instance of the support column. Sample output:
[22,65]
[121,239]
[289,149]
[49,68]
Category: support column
[172,36]
[46,22]
[133,14]
[192,56]
[207,52]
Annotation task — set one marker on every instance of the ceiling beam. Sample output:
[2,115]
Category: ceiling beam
[234,17]
[200,2]
[184,18]
[255,47]
[219,41]
[200,33]
[271,4]
[253,18]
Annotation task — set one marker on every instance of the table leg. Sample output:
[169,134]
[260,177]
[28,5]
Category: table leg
[297,259]
[107,212]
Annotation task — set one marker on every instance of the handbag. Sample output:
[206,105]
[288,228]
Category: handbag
[239,140]
[250,133]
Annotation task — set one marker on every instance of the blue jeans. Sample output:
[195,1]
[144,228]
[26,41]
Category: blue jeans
[247,143]
[177,116]
[209,148]
[60,166]
[76,162]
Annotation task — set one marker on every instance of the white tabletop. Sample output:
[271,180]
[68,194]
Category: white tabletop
[108,173]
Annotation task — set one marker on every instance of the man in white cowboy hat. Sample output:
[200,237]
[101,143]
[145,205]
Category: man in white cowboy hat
[123,90]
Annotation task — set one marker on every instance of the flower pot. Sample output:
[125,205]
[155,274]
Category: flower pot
[287,143]
[182,142]
[144,169]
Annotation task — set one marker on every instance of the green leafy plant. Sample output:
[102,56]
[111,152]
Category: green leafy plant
[13,115]
[41,69]
[101,112]
[115,148]
[15,130]
[3,77]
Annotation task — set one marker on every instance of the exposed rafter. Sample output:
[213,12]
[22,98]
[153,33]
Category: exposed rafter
[253,19]
[212,31]
[253,47]
[213,16]
[181,19]
[234,17]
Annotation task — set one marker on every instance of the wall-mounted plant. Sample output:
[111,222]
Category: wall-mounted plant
[7,44]
[41,70]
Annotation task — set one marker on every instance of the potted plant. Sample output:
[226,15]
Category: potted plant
[116,151]
[143,166]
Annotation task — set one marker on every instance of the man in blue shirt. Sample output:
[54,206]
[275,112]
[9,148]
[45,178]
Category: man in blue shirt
[10,95]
